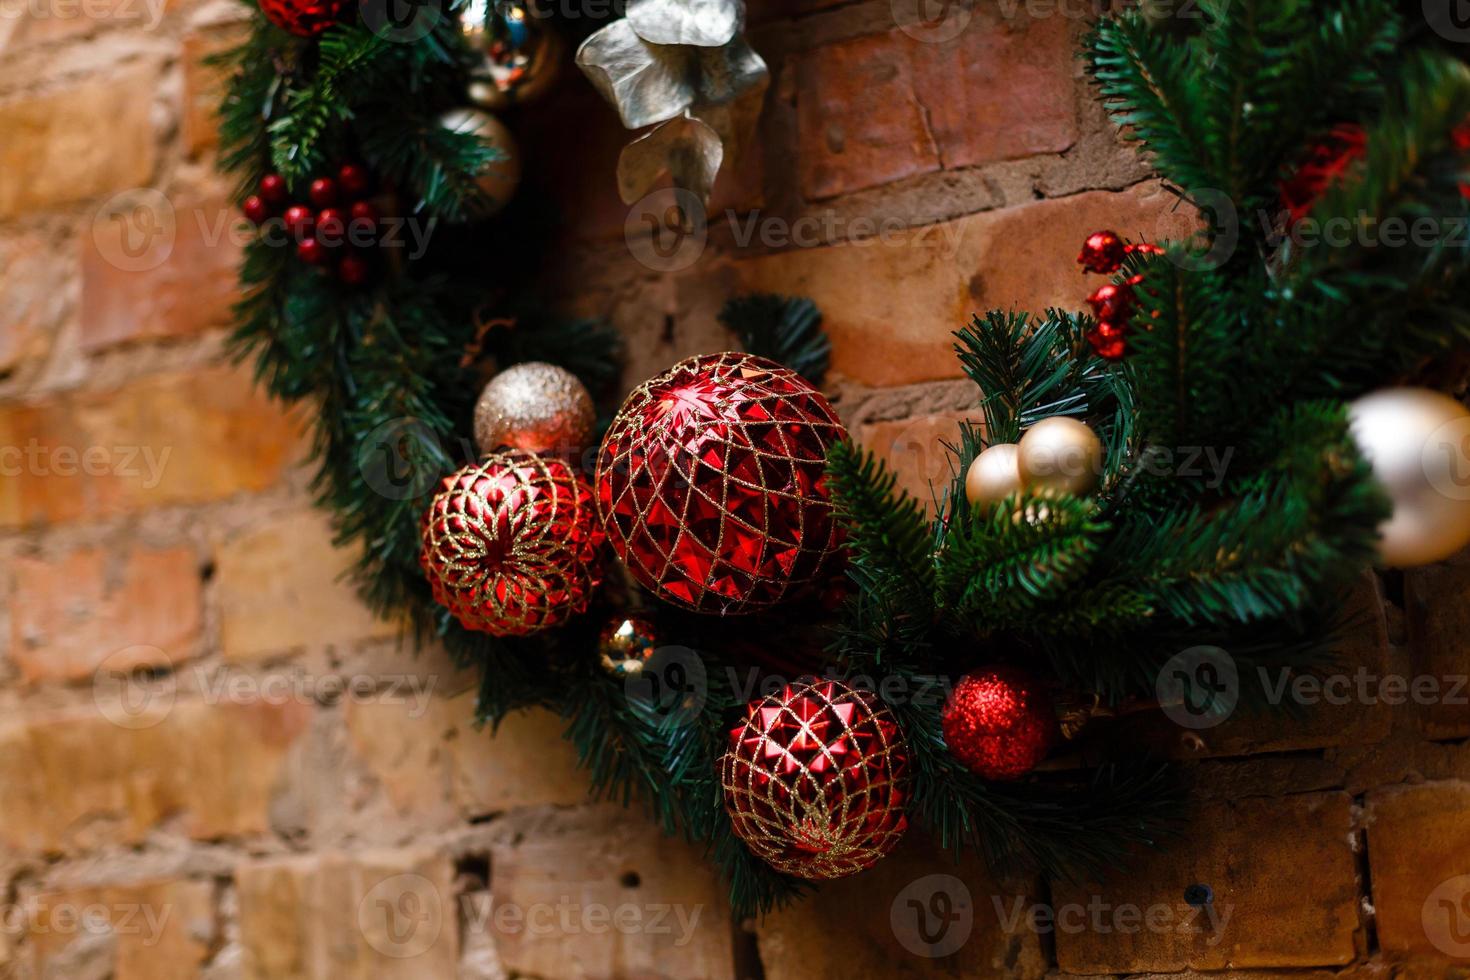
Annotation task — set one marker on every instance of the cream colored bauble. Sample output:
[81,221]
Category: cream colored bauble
[1060,455]
[994,475]
[1417,442]
[499,178]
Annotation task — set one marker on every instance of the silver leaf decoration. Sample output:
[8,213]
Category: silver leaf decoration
[666,63]
[704,23]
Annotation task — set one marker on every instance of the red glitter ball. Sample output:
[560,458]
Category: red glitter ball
[304,18]
[1108,341]
[710,483]
[999,722]
[815,780]
[1102,253]
[1112,302]
[510,545]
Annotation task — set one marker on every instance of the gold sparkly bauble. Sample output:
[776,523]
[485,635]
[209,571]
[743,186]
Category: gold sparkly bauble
[521,53]
[1060,455]
[1417,442]
[994,475]
[535,406]
[499,178]
[626,644]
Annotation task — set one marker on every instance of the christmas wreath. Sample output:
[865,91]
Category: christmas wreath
[632,569]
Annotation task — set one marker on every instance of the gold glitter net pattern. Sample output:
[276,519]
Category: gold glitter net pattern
[710,483]
[510,545]
[815,780]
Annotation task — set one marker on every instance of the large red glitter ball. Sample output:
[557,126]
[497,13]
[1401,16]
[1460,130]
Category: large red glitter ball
[710,483]
[510,545]
[999,722]
[304,18]
[816,778]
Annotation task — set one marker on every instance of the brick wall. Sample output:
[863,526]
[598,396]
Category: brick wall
[215,764]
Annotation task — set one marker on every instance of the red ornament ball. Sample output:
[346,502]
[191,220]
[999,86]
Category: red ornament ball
[1324,164]
[710,483]
[1108,341]
[999,722]
[1103,253]
[304,18]
[816,778]
[256,210]
[510,545]
[1112,301]
[273,189]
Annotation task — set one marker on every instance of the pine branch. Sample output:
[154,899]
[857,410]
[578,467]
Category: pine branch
[787,330]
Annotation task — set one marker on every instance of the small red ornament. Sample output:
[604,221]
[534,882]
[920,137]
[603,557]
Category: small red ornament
[1112,302]
[816,778]
[1102,252]
[1325,164]
[310,251]
[510,545]
[354,180]
[999,722]
[298,219]
[304,18]
[710,483]
[1107,340]
[273,189]
[323,192]
[256,210]
[353,270]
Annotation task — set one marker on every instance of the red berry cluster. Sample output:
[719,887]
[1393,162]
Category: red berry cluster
[1112,304]
[1460,138]
[321,227]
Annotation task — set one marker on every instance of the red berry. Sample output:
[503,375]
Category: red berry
[353,270]
[298,218]
[354,180]
[273,188]
[310,251]
[330,228]
[364,211]
[256,210]
[364,223]
[323,192]
[1102,253]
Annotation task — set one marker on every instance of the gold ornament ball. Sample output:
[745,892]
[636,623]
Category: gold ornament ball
[521,53]
[499,178]
[626,644]
[1416,441]
[994,475]
[1060,455]
[535,406]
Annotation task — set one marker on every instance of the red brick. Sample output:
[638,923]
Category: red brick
[890,304]
[1419,857]
[161,441]
[181,282]
[78,779]
[69,616]
[378,915]
[883,107]
[1437,598]
[72,144]
[33,280]
[203,88]
[1283,870]
[52,21]
[882,923]
[914,450]
[154,930]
